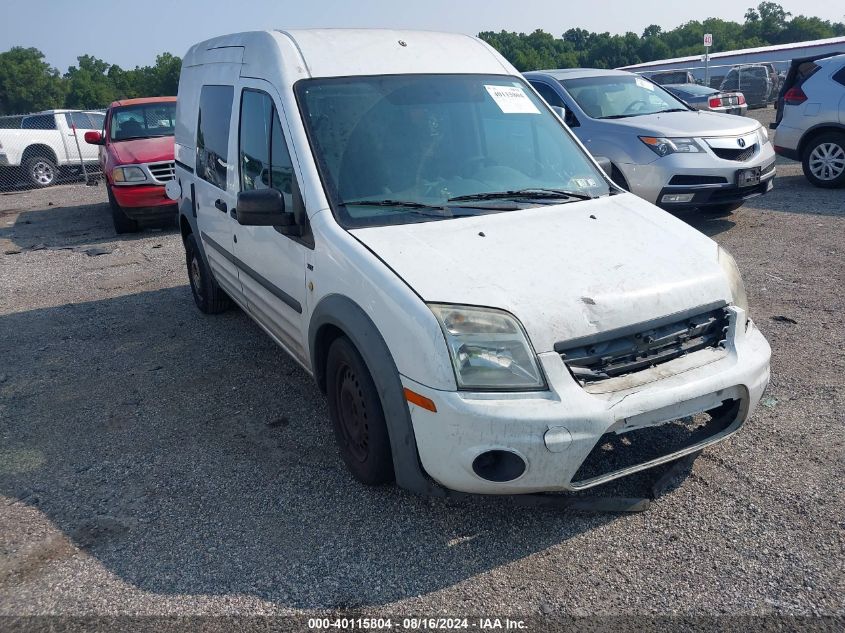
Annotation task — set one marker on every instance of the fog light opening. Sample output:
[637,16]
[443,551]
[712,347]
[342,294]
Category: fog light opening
[498,466]
[677,197]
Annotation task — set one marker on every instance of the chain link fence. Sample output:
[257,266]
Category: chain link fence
[43,149]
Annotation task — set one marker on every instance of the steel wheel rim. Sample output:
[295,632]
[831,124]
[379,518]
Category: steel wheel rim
[43,173]
[352,411]
[827,161]
[196,276]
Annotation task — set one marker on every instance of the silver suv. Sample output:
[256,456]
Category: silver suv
[810,120]
[660,148]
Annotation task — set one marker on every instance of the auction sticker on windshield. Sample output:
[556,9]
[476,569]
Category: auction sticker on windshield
[512,100]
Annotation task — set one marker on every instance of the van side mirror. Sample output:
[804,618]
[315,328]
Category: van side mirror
[92,137]
[266,207]
[560,111]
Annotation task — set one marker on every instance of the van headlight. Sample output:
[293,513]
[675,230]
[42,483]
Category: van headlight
[728,263]
[128,174]
[489,349]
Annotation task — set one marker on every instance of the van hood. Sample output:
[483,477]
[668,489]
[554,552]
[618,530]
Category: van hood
[698,123]
[143,150]
[564,271]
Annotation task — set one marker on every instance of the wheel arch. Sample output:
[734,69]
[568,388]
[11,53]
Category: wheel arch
[337,315]
[815,131]
[39,149]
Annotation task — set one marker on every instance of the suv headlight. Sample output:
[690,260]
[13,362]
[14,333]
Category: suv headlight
[489,349]
[762,135]
[128,174]
[665,146]
[728,263]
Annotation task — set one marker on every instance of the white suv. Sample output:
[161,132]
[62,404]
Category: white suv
[810,120]
[484,309]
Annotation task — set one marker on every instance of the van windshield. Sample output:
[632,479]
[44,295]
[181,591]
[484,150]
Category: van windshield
[413,148]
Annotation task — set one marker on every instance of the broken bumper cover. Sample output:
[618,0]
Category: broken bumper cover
[552,434]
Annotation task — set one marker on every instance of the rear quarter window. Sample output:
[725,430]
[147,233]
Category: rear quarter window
[215,113]
[839,76]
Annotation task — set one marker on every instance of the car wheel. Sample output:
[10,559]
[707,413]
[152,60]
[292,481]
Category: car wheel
[722,209]
[824,160]
[357,416]
[41,171]
[122,223]
[208,296]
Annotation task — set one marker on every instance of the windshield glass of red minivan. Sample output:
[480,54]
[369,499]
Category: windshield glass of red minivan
[143,121]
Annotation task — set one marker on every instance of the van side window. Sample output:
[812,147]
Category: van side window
[281,165]
[254,144]
[263,153]
[213,133]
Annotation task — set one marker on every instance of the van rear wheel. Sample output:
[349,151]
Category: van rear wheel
[357,416]
[208,296]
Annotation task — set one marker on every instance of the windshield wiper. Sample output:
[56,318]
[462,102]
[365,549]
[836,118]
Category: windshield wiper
[524,193]
[416,207]
[671,110]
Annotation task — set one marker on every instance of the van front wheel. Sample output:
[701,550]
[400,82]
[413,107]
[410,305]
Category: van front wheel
[357,416]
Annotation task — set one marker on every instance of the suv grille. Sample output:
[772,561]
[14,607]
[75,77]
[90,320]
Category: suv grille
[644,345]
[736,154]
[163,171]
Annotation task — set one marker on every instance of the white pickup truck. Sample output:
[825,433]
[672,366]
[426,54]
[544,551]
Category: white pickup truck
[43,147]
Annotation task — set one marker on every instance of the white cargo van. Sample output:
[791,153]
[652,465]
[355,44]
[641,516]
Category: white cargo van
[484,309]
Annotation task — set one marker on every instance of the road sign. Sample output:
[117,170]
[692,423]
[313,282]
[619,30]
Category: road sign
[708,39]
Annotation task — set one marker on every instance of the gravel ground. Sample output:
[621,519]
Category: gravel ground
[157,461]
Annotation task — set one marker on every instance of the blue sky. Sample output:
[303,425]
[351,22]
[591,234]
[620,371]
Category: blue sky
[131,33]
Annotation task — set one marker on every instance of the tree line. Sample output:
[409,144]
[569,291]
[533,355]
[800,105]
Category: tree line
[766,25]
[29,83]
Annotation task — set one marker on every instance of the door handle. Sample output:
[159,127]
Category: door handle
[221,206]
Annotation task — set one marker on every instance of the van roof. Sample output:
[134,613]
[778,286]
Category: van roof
[349,52]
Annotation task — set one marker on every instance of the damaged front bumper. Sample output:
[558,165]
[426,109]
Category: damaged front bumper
[574,437]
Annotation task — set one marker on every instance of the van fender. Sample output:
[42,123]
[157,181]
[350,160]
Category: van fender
[348,317]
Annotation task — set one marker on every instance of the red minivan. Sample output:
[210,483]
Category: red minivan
[136,156]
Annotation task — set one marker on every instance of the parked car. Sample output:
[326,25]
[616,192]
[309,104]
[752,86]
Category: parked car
[810,119]
[774,81]
[136,155]
[660,149]
[704,98]
[752,80]
[42,147]
[672,77]
[482,306]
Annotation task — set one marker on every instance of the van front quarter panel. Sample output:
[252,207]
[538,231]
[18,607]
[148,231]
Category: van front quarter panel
[344,267]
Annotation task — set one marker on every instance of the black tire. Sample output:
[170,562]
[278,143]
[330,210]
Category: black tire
[825,152]
[122,223]
[41,171]
[722,209]
[208,296]
[357,416]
